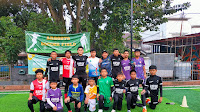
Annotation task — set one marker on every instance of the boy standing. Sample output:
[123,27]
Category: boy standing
[116,59]
[68,69]
[38,90]
[106,62]
[132,86]
[104,88]
[53,68]
[153,84]
[119,85]
[54,98]
[93,65]
[80,62]
[126,65]
[91,92]
[75,94]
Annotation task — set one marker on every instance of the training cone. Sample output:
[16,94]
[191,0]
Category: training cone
[184,102]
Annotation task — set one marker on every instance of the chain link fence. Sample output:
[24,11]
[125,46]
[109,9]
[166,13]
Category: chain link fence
[5,72]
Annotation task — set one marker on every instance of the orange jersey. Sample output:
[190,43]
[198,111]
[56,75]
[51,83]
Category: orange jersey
[91,91]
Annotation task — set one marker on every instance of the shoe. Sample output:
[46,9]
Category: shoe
[69,111]
[147,101]
[113,110]
[100,110]
[138,98]
[144,110]
[129,111]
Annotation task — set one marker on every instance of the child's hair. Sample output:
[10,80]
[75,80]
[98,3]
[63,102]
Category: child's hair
[39,71]
[132,71]
[92,50]
[90,78]
[152,67]
[137,50]
[74,76]
[104,51]
[53,52]
[115,49]
[53,81]
[119,73]
[68,51]
[80,47]
[125,51]
[103,69]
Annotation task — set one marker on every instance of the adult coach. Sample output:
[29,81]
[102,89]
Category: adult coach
[81,62]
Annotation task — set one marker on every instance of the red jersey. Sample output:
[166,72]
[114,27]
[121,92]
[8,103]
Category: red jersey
[68,67]
[38,90]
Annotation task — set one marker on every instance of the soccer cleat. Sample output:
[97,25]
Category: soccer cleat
[147,101]
[129,111]
[113,110]
[144,110]
[100,110]
[69,111]
[138,98]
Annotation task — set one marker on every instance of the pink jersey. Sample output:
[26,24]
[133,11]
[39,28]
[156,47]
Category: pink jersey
[68,67]
[39,88]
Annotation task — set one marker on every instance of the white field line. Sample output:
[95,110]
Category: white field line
[139,89]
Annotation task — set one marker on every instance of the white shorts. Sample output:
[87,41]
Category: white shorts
[92,104]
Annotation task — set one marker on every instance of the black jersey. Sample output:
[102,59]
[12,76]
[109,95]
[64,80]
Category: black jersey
[133,85]
[153,83]
[116,64]
[53,68]
[119,86]
[80,62]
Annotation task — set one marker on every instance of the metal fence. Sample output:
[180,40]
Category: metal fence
[5,72]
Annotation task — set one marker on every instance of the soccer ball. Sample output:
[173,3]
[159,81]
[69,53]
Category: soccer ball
[35,49]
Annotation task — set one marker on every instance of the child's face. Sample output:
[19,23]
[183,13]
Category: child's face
[53,85]
[120,77]
[133,75]
[116,52]
[75,80]
[91,82]
[67,54]
[153,71]
[53,55]
[126,54]
[39,75]
[105,55]
[137,54]
[80,51]
[104,73]
[93,53]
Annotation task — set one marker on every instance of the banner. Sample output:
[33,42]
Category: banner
[46,43]
[39,62]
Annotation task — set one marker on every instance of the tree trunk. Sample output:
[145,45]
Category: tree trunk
[78,16]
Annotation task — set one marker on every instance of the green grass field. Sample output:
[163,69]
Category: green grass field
[16,101]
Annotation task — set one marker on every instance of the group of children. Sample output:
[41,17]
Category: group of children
[109,77]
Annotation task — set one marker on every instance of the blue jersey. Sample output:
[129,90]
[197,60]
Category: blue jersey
[106,63]
[76,92]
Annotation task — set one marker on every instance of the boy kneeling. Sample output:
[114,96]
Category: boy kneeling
[75,93]
[38,90]
[153,84]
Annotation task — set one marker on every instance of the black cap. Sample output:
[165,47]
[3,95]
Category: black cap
[152,67]
[137,50]
[104,51]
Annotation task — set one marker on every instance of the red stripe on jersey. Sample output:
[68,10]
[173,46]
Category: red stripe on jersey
[38,89]
[68,70]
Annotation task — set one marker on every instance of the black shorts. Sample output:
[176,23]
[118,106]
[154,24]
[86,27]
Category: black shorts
[67,81]
[81,74]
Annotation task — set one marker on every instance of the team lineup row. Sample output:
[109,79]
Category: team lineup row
[114,68]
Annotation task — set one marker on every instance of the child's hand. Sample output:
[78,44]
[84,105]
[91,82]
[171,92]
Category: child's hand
[67,99]
[143,91]
[79,105]
[45,78]
[30,98]
[98,97]
[124,91]
[160,100]
[110,98]
[54,108]
[49,59]
[86,100]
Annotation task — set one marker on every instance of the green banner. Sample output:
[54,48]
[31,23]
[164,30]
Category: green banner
[46,43]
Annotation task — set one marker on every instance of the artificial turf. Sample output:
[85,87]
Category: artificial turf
[16,101]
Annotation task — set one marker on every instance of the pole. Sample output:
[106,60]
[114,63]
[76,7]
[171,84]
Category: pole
[131,27]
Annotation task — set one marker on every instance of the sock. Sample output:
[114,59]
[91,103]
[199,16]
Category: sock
[144,107]
[65,95]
